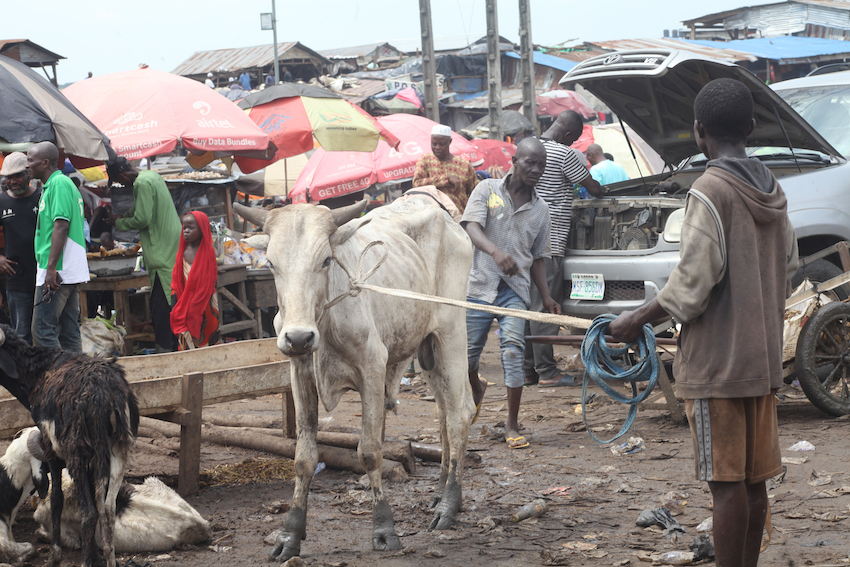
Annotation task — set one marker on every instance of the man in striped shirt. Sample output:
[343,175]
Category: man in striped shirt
[563,170]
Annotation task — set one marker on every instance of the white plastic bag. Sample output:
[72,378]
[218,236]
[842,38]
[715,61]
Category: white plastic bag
[102,339]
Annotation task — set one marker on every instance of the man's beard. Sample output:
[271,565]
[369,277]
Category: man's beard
[18,192]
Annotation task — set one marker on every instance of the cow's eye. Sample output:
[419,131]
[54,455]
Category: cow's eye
[327,262]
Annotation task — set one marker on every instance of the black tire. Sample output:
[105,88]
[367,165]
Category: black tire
[820,271]
[823,359]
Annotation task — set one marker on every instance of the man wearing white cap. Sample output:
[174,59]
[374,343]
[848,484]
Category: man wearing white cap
[19,206]
[450,174]
[209,82]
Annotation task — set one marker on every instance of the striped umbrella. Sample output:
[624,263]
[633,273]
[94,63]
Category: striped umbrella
[33,110]
[293,115]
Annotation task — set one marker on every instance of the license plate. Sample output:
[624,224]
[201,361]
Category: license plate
[588,286]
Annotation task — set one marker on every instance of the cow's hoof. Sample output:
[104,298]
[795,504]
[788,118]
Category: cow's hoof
[445,516]
[383,540]
[55,557]
[286,546]
[434,501]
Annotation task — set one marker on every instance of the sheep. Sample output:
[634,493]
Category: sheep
[20,474]
[88,418]
[148,517]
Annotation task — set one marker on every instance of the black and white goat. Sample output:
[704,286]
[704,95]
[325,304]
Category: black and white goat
[88,418]
[148,517]
[20,474]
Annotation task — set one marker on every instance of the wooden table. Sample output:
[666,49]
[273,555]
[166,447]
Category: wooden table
[119,286]
[261,295]
[234,277]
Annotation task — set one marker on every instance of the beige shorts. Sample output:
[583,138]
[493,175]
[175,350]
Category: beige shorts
[735,439]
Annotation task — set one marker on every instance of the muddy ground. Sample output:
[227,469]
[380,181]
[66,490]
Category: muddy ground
[594,495]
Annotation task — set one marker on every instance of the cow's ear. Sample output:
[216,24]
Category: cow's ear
[258,241]
[347,230]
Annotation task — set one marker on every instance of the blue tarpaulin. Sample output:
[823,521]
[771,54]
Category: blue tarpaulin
[782,48]
[548,60]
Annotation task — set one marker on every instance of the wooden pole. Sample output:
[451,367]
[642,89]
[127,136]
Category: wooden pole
[529,96]
[494,70]
[429,63]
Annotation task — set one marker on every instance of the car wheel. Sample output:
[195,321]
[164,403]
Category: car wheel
[820,271]
[823,359]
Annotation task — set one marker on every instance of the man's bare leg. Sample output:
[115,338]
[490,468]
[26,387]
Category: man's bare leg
[733,519]
[511,425]
[757,497]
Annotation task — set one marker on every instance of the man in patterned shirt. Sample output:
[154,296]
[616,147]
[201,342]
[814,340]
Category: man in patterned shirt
[450,174]
[563,170]
[509,227]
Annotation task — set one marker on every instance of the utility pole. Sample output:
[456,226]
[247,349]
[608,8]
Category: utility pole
[274,37]
[494,70]
[526,49]
[429,63]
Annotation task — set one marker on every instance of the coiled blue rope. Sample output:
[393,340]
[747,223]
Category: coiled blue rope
[601,363]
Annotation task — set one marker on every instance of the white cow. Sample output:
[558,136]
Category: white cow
[363,343]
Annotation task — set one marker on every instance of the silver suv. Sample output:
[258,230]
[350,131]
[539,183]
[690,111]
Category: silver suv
[623,247]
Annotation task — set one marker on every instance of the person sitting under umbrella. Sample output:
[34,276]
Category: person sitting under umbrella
[195,316]
[450,174]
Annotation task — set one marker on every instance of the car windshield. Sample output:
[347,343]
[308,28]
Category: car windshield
[827,109]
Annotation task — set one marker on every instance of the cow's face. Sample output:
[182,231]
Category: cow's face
[300,250]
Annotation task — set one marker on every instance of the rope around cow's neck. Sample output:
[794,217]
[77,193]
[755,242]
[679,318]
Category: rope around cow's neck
[358,283]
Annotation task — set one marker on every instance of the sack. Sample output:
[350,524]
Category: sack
[102,337]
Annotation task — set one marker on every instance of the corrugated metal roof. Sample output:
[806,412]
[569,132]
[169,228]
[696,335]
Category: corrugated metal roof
[7,43]
[509,98]
[355,52]
[786,49]
[547,60]
[718,17]
[698,47]
[365,89]
[241,58]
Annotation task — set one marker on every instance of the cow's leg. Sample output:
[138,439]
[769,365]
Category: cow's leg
[374,373]
[288,543]
[454,400]
[57,502]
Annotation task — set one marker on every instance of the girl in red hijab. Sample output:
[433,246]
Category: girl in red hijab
[194,316]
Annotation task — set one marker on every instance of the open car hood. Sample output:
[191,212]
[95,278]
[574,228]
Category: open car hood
[653,91]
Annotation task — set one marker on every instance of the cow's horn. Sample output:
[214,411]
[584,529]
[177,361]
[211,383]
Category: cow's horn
[250,214]
[34,445]
[345,214]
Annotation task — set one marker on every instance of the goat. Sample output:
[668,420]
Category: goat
[20,474]
[148,517]
[87,418]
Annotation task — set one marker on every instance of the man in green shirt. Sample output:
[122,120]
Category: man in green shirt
[60,253]
[155,217]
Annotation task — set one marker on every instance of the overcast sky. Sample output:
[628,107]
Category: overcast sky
[107,37]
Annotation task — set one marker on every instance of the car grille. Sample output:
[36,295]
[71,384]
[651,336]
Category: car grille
[618,290]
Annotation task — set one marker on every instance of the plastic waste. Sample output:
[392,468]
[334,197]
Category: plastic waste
[802,446]
[662,518]
[531,510]
[634,445]
[674,558]
[702,547]
[319,468]
[706,526]
[675,501]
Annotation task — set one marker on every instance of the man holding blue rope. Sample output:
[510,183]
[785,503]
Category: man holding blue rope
[738,253]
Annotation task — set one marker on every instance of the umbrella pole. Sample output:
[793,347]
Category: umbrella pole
[285,179]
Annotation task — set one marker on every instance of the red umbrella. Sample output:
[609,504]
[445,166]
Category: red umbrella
[145,112]
[496,153]
[332,174]
[555,102]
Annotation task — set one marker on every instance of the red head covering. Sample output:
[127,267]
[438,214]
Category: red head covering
[193,295]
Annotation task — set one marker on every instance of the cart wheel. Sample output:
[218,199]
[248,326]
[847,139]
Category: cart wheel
[823,359]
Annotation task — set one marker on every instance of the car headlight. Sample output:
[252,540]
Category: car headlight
[673,226]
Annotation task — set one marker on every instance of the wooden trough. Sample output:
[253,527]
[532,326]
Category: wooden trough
[175,386]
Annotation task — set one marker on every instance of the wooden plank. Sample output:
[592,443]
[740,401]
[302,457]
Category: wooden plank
[844,254]
[229,355]
[229,275]
[673,405]
[237,326]
[190,435]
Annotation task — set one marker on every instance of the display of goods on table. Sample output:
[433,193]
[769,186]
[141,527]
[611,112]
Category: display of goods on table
[115,262]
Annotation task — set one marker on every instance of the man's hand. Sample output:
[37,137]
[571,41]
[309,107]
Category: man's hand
[111,218]
[551,306]
[626,328]
[455,182]
[505,262]
[51,280]
[7,266]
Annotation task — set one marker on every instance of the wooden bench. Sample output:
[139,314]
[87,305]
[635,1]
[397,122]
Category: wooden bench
[175,386]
